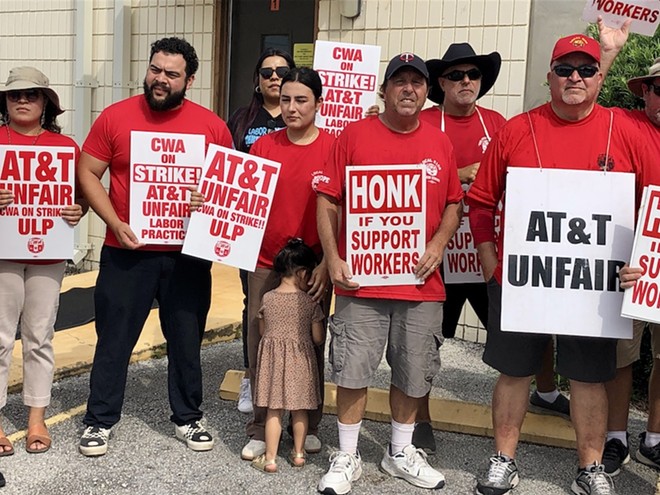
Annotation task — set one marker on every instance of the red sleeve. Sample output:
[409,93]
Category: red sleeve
[454,189]
[98,143]
[222,135]
[482,224]
[334,171]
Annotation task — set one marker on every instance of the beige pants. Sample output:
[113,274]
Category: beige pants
[29,293]
[628,350]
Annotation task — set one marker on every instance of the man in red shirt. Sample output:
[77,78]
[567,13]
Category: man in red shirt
[619,390]
[597,141]
[133,274]
[405,318]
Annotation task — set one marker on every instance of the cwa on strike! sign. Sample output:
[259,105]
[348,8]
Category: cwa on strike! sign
[385,223]
[42,181]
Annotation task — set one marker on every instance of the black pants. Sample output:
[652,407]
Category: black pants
[127,284]
[244,332]
[457,294]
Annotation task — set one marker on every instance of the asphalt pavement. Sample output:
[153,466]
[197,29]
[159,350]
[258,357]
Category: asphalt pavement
[145,458]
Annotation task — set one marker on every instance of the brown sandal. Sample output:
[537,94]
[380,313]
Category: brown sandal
[43,439]
[4,442]
[297,459]
[264,465]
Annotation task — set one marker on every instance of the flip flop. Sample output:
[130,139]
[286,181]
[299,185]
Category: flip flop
[37,438]
[4,442]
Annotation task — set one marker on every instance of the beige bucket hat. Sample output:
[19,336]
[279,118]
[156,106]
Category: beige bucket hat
[22,78]
[635,84]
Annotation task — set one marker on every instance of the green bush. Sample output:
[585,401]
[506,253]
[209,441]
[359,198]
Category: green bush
[634,60]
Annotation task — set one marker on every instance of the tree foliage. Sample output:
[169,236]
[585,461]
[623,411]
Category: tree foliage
[634,60]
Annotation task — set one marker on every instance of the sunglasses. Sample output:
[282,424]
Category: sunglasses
[584,71]
[655,88]
[30,95]
[267,72]
[459,75]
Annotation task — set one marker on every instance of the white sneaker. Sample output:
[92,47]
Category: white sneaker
[312,444]
[344,469]
[254,448]
[411,465]
[245,397]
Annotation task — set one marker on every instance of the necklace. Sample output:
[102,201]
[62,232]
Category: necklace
[36,138]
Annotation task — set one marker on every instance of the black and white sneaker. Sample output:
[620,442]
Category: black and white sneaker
[648,455]
[94,441]
[501,478]
[195,435]
[615,455]
[593,480]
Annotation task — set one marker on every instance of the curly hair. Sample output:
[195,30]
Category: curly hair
[179,46]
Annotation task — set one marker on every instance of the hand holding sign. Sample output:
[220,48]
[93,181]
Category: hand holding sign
[196,199]
[72,214]
[340,275]
[612,38]
[628,276]
[126,236]
[6,198]
[430,261]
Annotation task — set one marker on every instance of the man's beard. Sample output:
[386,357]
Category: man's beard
[172,100]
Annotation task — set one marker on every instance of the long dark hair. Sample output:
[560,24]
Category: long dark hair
[243,117]
[49,117]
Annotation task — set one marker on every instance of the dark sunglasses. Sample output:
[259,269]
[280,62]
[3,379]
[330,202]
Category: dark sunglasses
[267,72]
[584,71]
[655,88]
[459,75]
[30,95]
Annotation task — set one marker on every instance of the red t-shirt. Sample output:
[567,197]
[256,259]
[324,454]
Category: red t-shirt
[562,144]
[46,138]
[370,142]
[651,135]
[293,212]
[467,134]
[110,137]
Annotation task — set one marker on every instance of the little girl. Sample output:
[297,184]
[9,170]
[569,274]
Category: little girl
[290,323]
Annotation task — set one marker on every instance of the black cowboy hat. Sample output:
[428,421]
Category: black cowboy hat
[463,53]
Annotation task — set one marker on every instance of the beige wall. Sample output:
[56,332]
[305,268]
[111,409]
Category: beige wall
[428,27]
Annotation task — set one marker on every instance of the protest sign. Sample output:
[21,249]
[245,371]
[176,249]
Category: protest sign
[163,166]
[566,235]
[349,74]
[645,14]
[385,223]
[460,262]
[642,301]
[238,189]
[42,181]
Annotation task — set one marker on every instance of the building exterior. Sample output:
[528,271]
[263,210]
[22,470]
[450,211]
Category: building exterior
[95,51]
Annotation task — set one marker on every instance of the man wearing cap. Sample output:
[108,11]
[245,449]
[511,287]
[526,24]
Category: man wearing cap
[619,390]
[406,318]
[133,274]
[597,140]
[458,80]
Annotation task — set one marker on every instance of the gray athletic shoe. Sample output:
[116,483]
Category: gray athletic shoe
[648,455]
[593,480]
[501,478]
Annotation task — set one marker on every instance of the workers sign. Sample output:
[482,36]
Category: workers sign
[349,74]
[645,14]
[642,301]
[163,167]
[42,181]
[385,223]
[566,235]
[238,189]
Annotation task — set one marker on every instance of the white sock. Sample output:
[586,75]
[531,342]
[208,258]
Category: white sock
[652,439]
[401,436]
[549,396]
[348,437]
[619,435]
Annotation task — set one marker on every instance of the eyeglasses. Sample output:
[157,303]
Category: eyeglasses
[30,95]
[459,75]
[655,88]
[584,71]
[267,72]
